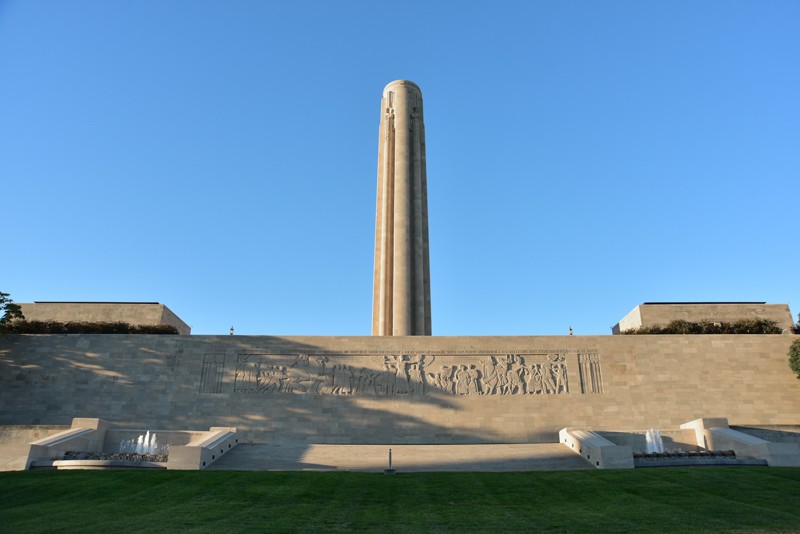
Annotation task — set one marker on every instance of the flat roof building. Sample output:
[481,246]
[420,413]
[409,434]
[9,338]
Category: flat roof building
[135,313]
[663,313]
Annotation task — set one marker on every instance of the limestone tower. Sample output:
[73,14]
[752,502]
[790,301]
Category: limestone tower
[401,297]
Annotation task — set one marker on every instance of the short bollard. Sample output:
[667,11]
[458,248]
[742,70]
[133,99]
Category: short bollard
[389,471]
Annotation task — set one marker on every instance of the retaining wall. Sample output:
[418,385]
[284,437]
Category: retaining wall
[397,389]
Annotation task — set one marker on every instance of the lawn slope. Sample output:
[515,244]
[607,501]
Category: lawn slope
[655,500]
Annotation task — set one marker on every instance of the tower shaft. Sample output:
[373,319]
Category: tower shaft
[401,299]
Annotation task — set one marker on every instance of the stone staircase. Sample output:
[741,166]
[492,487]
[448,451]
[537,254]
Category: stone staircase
[292,456]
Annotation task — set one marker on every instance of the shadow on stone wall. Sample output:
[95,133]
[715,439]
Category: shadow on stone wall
[273,389]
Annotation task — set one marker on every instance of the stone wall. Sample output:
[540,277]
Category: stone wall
[397,389]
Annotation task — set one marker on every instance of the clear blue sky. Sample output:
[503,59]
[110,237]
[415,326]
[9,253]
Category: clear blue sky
[220,157]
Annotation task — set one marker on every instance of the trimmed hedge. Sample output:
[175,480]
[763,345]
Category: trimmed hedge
[794,358]
[745,326]
[55,327]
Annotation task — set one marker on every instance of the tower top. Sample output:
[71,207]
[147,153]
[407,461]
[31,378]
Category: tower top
[407,83]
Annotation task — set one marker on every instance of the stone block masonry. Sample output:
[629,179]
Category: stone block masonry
[415,389]
[401,304]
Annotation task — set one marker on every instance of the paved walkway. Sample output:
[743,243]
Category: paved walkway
[405,458]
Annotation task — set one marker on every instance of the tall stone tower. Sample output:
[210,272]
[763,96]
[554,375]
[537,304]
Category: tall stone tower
[401,298]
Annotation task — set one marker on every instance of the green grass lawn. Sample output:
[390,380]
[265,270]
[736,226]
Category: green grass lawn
[656,500]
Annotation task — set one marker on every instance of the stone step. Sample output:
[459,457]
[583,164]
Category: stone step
[405,458]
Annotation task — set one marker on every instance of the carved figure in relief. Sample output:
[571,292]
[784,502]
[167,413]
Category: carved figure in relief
[321,362]
[356,380]
[341,380]
[363,380]
[473,386]
[502,377]
[412,369]
[535,381]
[349,379]
[369,380]
[417,377]
[389,375]
[265,379]
[415,384]
[283,378]
[550,377]
[434,379]
[561,382]
[316,384]
[524,374]
[254,371]
[466,379]
[401,386]
[491,378]
[245,375]
[327,385]
[298,385]
[462,380]
[301,361]
[259,377]
[445,378]
[273,376]
[253,376]
[515,375]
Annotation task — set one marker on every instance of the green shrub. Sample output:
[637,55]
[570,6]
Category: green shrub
[754,326]
[72,327]
[9,312]
[794,357]
[745,326]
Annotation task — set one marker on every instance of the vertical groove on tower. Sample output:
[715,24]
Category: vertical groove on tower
[401,287]
[426,263]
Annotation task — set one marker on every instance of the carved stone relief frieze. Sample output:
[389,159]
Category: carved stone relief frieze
[510,373]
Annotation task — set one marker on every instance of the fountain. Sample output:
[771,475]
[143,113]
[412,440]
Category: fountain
[100,447]
[144,444]
[653,442]
[143,451]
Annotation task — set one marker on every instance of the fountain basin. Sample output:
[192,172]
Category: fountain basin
[93,444]
[62,465]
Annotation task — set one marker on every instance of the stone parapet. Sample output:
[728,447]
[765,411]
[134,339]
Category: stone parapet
[85,435]
[597,450]
[203,451]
